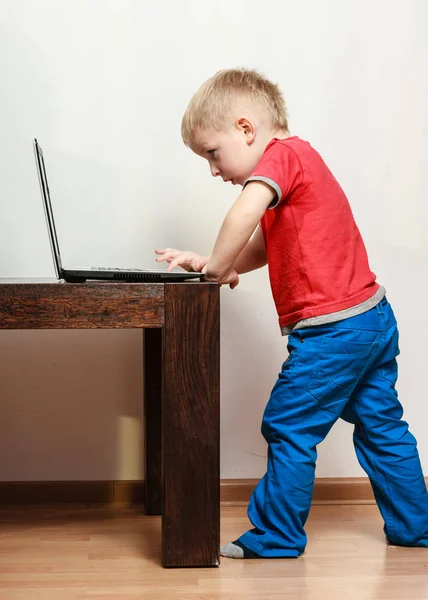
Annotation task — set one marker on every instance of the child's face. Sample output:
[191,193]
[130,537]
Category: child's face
[232,154]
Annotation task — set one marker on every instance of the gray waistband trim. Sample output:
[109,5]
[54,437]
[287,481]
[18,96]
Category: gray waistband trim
[353,311]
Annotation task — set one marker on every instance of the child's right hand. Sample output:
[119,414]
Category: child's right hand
[189,261]
[231,279]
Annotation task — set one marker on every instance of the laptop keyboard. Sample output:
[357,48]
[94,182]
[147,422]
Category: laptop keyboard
[114,269]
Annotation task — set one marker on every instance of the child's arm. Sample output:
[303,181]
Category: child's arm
[240,223]
[253,256]
[236,231]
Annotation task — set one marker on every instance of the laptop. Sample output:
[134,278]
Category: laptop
[79,275]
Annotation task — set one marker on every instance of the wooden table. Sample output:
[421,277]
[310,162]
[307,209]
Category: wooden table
[181,323]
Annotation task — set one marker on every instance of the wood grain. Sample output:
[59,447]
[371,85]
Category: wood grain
[81,306]
[182,383]
[191,425]
[100,554]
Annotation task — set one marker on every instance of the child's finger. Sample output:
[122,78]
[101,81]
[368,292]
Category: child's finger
[168,256]
[165,250]
[174,263]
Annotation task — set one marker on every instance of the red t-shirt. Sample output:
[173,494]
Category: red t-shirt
[317,259]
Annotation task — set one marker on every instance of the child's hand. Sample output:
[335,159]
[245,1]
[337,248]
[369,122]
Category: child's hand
[232,278]
[189,261]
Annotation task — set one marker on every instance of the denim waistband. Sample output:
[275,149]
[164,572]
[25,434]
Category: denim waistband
[378,318]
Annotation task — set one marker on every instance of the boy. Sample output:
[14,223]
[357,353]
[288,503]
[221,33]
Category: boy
[342,334]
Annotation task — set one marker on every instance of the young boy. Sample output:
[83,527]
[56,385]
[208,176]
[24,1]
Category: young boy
[342,334]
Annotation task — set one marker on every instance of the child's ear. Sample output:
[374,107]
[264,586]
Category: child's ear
[247,129]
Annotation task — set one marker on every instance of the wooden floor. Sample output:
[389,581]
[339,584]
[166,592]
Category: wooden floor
[105,554]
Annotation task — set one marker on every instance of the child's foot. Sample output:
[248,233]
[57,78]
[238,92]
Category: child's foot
[237,550]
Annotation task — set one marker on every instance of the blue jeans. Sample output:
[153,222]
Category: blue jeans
[347,370]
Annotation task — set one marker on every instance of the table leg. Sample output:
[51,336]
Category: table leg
[191,426]
[153,419]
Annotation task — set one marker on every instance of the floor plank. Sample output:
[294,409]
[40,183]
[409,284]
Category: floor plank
[112,554]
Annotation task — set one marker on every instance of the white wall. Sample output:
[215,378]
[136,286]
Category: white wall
[103,85]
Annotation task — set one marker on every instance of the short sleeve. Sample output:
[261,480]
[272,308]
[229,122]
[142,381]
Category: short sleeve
[280,168]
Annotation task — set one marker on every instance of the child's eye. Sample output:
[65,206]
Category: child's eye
[212,152]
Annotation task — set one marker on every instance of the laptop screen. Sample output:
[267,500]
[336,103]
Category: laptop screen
[48,208]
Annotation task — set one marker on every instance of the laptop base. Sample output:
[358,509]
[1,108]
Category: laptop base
[117,275]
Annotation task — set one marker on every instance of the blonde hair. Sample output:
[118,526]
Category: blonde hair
[216,98]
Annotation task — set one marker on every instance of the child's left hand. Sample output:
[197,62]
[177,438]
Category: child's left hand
[232,278]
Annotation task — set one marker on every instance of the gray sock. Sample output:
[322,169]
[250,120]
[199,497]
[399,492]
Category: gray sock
[231,551]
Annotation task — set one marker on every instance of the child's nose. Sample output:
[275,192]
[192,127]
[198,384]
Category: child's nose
[214,171]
